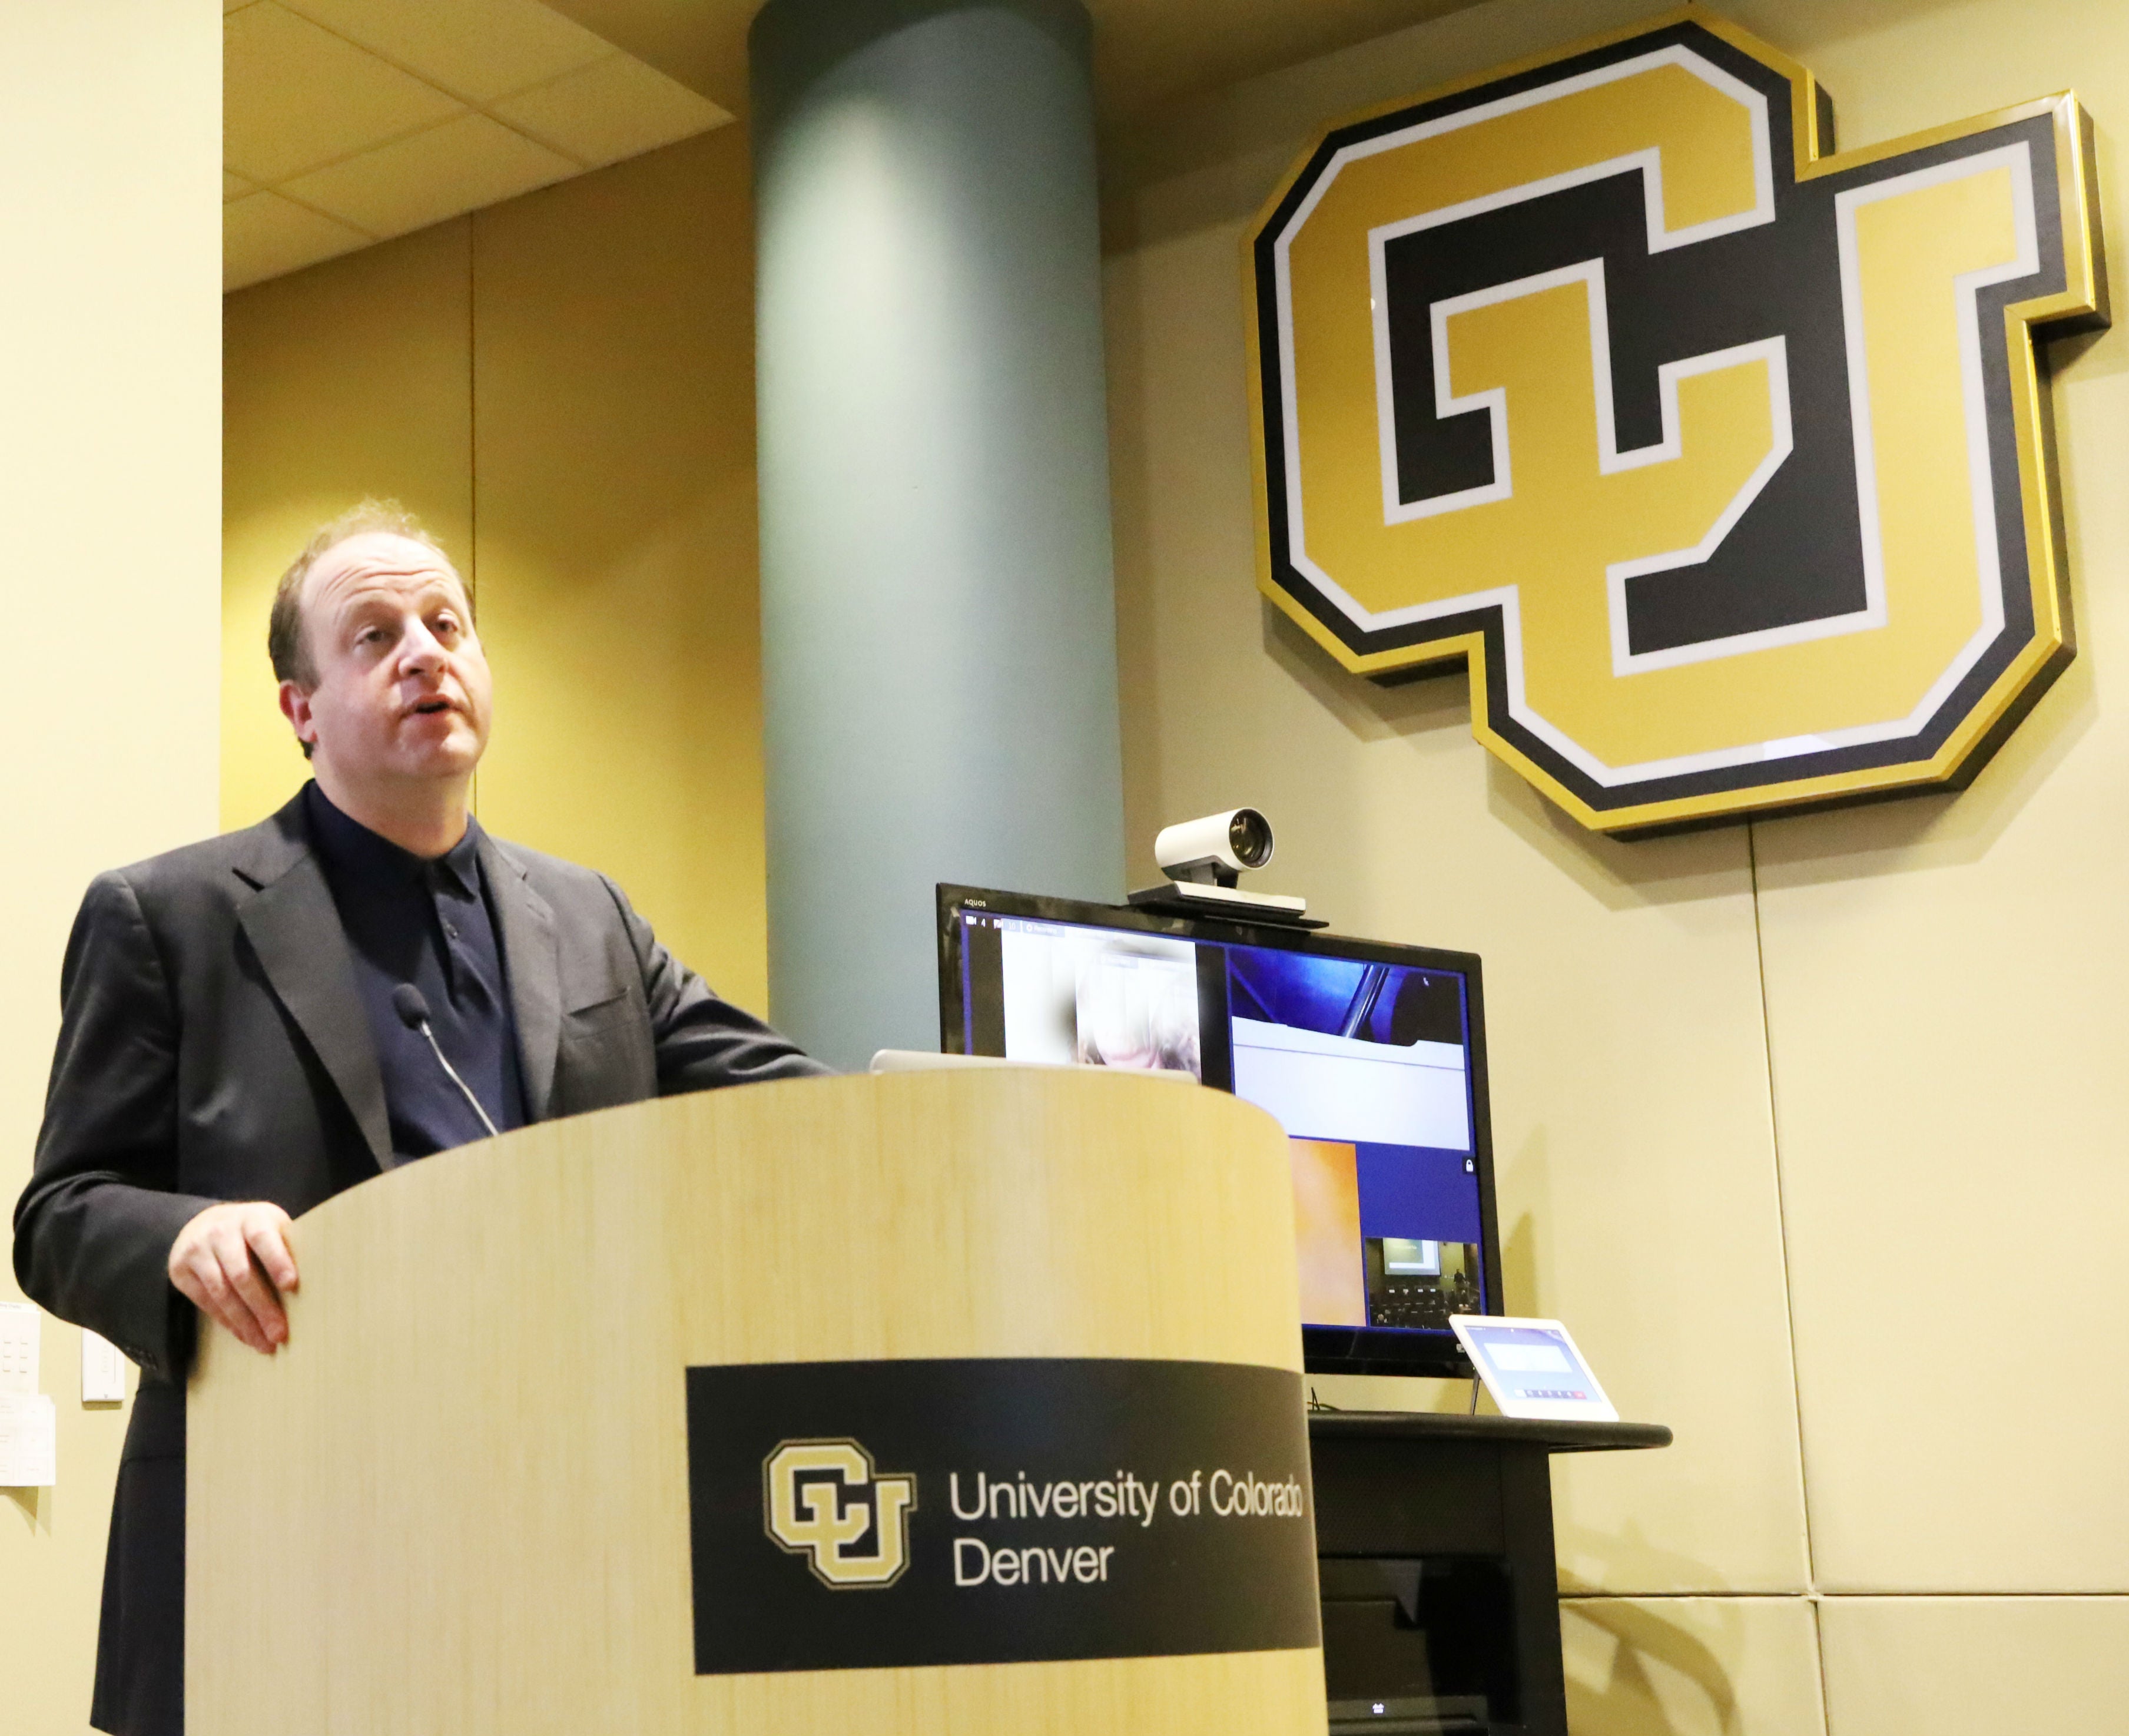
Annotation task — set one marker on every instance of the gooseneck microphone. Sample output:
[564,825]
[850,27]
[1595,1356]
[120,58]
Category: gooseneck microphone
[413,1007]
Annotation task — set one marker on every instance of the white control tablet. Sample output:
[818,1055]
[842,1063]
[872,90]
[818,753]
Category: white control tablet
[1532,1368]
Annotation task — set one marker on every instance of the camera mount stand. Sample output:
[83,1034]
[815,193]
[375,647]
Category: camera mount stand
[1230,903]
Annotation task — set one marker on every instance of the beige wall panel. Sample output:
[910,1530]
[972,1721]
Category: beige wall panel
[614,325]
[1975,1665]
[1629,1082]
[353,378]
[1899,66]
[110,120]
[1692,1666]
[1944,981]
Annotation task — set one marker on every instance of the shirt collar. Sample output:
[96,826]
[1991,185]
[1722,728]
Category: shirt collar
[350,849]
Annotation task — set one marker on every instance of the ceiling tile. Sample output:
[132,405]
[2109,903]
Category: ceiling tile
[703,43]
[617,108]
[264,235]
[464,163]
[235,187]
[296,96]
[479,50]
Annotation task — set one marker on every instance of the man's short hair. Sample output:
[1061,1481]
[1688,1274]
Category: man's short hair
[285,644]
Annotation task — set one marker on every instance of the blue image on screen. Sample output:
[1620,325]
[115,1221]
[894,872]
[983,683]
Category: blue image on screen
[1400,1004]
[1411,1192]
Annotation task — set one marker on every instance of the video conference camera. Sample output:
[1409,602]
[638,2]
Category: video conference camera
[1217,849]
[1204,860]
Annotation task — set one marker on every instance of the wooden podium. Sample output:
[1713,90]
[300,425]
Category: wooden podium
[479,1489]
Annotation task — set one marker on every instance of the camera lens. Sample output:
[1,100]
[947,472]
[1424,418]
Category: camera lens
[1249,835]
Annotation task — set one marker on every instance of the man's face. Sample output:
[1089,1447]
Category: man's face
[403,693]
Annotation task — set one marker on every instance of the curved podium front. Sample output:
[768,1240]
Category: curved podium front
[948,1402]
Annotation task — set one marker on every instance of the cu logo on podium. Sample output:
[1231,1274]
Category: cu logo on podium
[1720,460]
[823,1500]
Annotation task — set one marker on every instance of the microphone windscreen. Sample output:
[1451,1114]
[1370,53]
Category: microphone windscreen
[412,1006]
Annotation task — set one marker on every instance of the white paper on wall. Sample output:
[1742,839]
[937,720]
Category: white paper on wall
[102,1371]
[29,1441]
[21,1329]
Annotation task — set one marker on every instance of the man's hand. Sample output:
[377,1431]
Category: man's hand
[233,1262]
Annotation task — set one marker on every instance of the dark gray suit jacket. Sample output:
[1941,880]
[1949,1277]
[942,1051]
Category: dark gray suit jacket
[214,1046]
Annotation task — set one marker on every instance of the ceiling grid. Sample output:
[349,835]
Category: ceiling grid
[349,121]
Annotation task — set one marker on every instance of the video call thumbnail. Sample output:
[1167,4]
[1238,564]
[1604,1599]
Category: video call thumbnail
[1354,1271]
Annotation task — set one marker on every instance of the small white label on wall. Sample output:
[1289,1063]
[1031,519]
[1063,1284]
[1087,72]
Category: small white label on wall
[102,1371]
[20,1331]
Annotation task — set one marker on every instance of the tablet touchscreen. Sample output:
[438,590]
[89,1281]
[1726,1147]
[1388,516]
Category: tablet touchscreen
[1532,1368]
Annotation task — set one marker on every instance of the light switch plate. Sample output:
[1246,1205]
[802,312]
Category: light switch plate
[102,1371]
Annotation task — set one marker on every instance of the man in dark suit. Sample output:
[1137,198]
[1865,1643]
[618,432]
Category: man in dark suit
[229,1051]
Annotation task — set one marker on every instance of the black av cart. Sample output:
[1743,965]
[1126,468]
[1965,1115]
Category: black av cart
[1434,1543]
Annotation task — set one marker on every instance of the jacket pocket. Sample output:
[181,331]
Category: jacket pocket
[606,1056]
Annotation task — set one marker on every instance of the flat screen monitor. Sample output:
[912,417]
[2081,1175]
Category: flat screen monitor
[1372,1058]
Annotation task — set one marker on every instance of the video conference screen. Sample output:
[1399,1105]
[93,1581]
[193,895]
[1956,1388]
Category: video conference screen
[1366,1062]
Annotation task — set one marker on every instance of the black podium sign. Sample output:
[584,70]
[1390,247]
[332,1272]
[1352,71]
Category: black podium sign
[849,1515]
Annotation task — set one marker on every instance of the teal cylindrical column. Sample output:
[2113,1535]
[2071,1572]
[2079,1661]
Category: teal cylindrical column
[938,596]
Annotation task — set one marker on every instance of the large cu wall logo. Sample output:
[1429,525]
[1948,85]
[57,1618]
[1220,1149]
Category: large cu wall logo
[1723,459]
[823,1500]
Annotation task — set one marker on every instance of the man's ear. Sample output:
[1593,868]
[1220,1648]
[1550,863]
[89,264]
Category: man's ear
[296,708]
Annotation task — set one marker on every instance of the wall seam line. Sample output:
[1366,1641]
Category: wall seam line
[472,453]
[1890,1595]
[1811,1592]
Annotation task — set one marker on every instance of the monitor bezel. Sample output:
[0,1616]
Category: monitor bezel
[1325,1349]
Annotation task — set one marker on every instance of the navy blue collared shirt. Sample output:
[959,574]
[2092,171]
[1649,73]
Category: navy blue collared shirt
[409,920]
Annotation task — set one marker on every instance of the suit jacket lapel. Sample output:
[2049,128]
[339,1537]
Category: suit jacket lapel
[532,962]
[295,930]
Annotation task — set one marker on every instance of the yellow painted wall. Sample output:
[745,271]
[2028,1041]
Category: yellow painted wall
[110,124]
[562,386]
[613,401]
[1795,1124]
[353,379]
